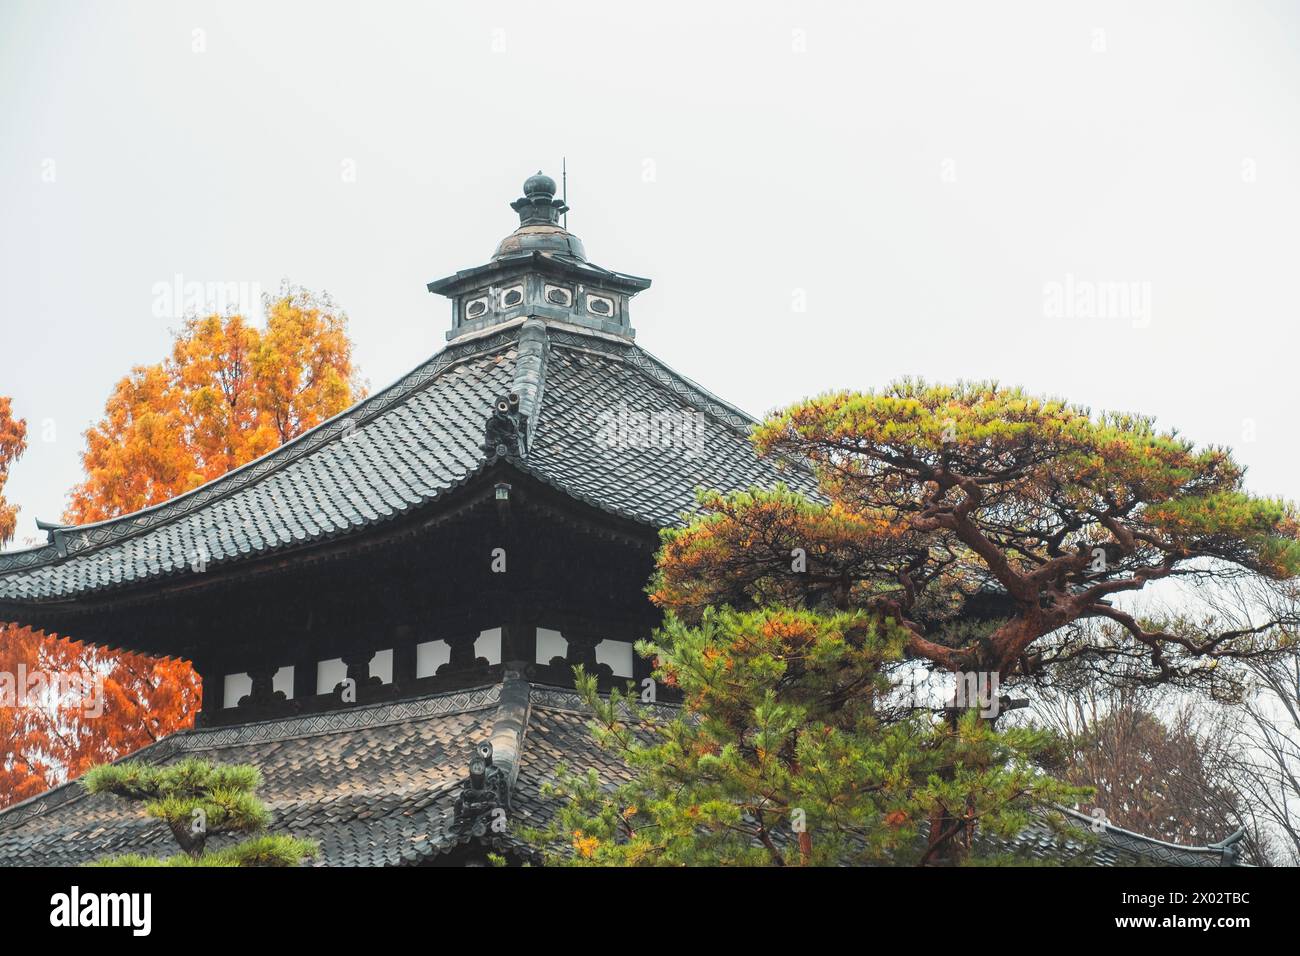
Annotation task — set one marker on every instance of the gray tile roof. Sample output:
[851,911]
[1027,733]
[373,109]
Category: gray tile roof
[624,432]
[376,786]
[1112,846]
[416,441]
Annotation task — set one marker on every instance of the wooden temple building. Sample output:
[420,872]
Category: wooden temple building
[371,602]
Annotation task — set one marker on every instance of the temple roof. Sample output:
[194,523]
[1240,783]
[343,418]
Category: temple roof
[377,785]
[607,423]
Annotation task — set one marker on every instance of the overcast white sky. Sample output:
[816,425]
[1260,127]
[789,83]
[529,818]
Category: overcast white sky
[917,173]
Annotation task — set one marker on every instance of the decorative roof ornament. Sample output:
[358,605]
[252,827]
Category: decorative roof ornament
[55,535]
[1231,847]
[505,434]
[539,223]
[484,791]
[540,270]
[539,205]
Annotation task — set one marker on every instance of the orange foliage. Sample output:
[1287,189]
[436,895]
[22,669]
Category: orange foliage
[586,846]
[136,701]
[229,393]
[13,439]
[745,548]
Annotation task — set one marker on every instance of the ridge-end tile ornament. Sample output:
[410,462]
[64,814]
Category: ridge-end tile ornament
[484,791]
[505,435]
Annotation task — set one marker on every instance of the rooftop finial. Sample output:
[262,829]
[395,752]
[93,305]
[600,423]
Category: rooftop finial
[539,186]
[539,207]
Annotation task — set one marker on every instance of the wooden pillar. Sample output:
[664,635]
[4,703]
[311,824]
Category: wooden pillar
[582,647]
[519,640]
[358,665]
[404,655]
[462,654]
[263,692]
[304,676]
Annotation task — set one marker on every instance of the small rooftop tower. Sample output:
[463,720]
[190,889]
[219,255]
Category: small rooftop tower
[541,270]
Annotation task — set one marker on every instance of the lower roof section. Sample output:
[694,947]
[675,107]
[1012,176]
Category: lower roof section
[375,785]
[378,785]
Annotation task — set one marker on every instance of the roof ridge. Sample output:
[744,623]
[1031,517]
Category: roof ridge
[1113,831]
[510,725]
[81,539]
[658,371]
[530,373]
[731,415]
[568,700]
[363,716]
[663,374]
[796,462]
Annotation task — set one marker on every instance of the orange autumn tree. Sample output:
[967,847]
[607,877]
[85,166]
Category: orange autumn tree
[228,393]
[24,767]
[13,441]
[33,741]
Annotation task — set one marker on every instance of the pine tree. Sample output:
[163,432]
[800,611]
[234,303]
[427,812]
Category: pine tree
[199,800]
[998,530]
[974,529]
[792,747]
